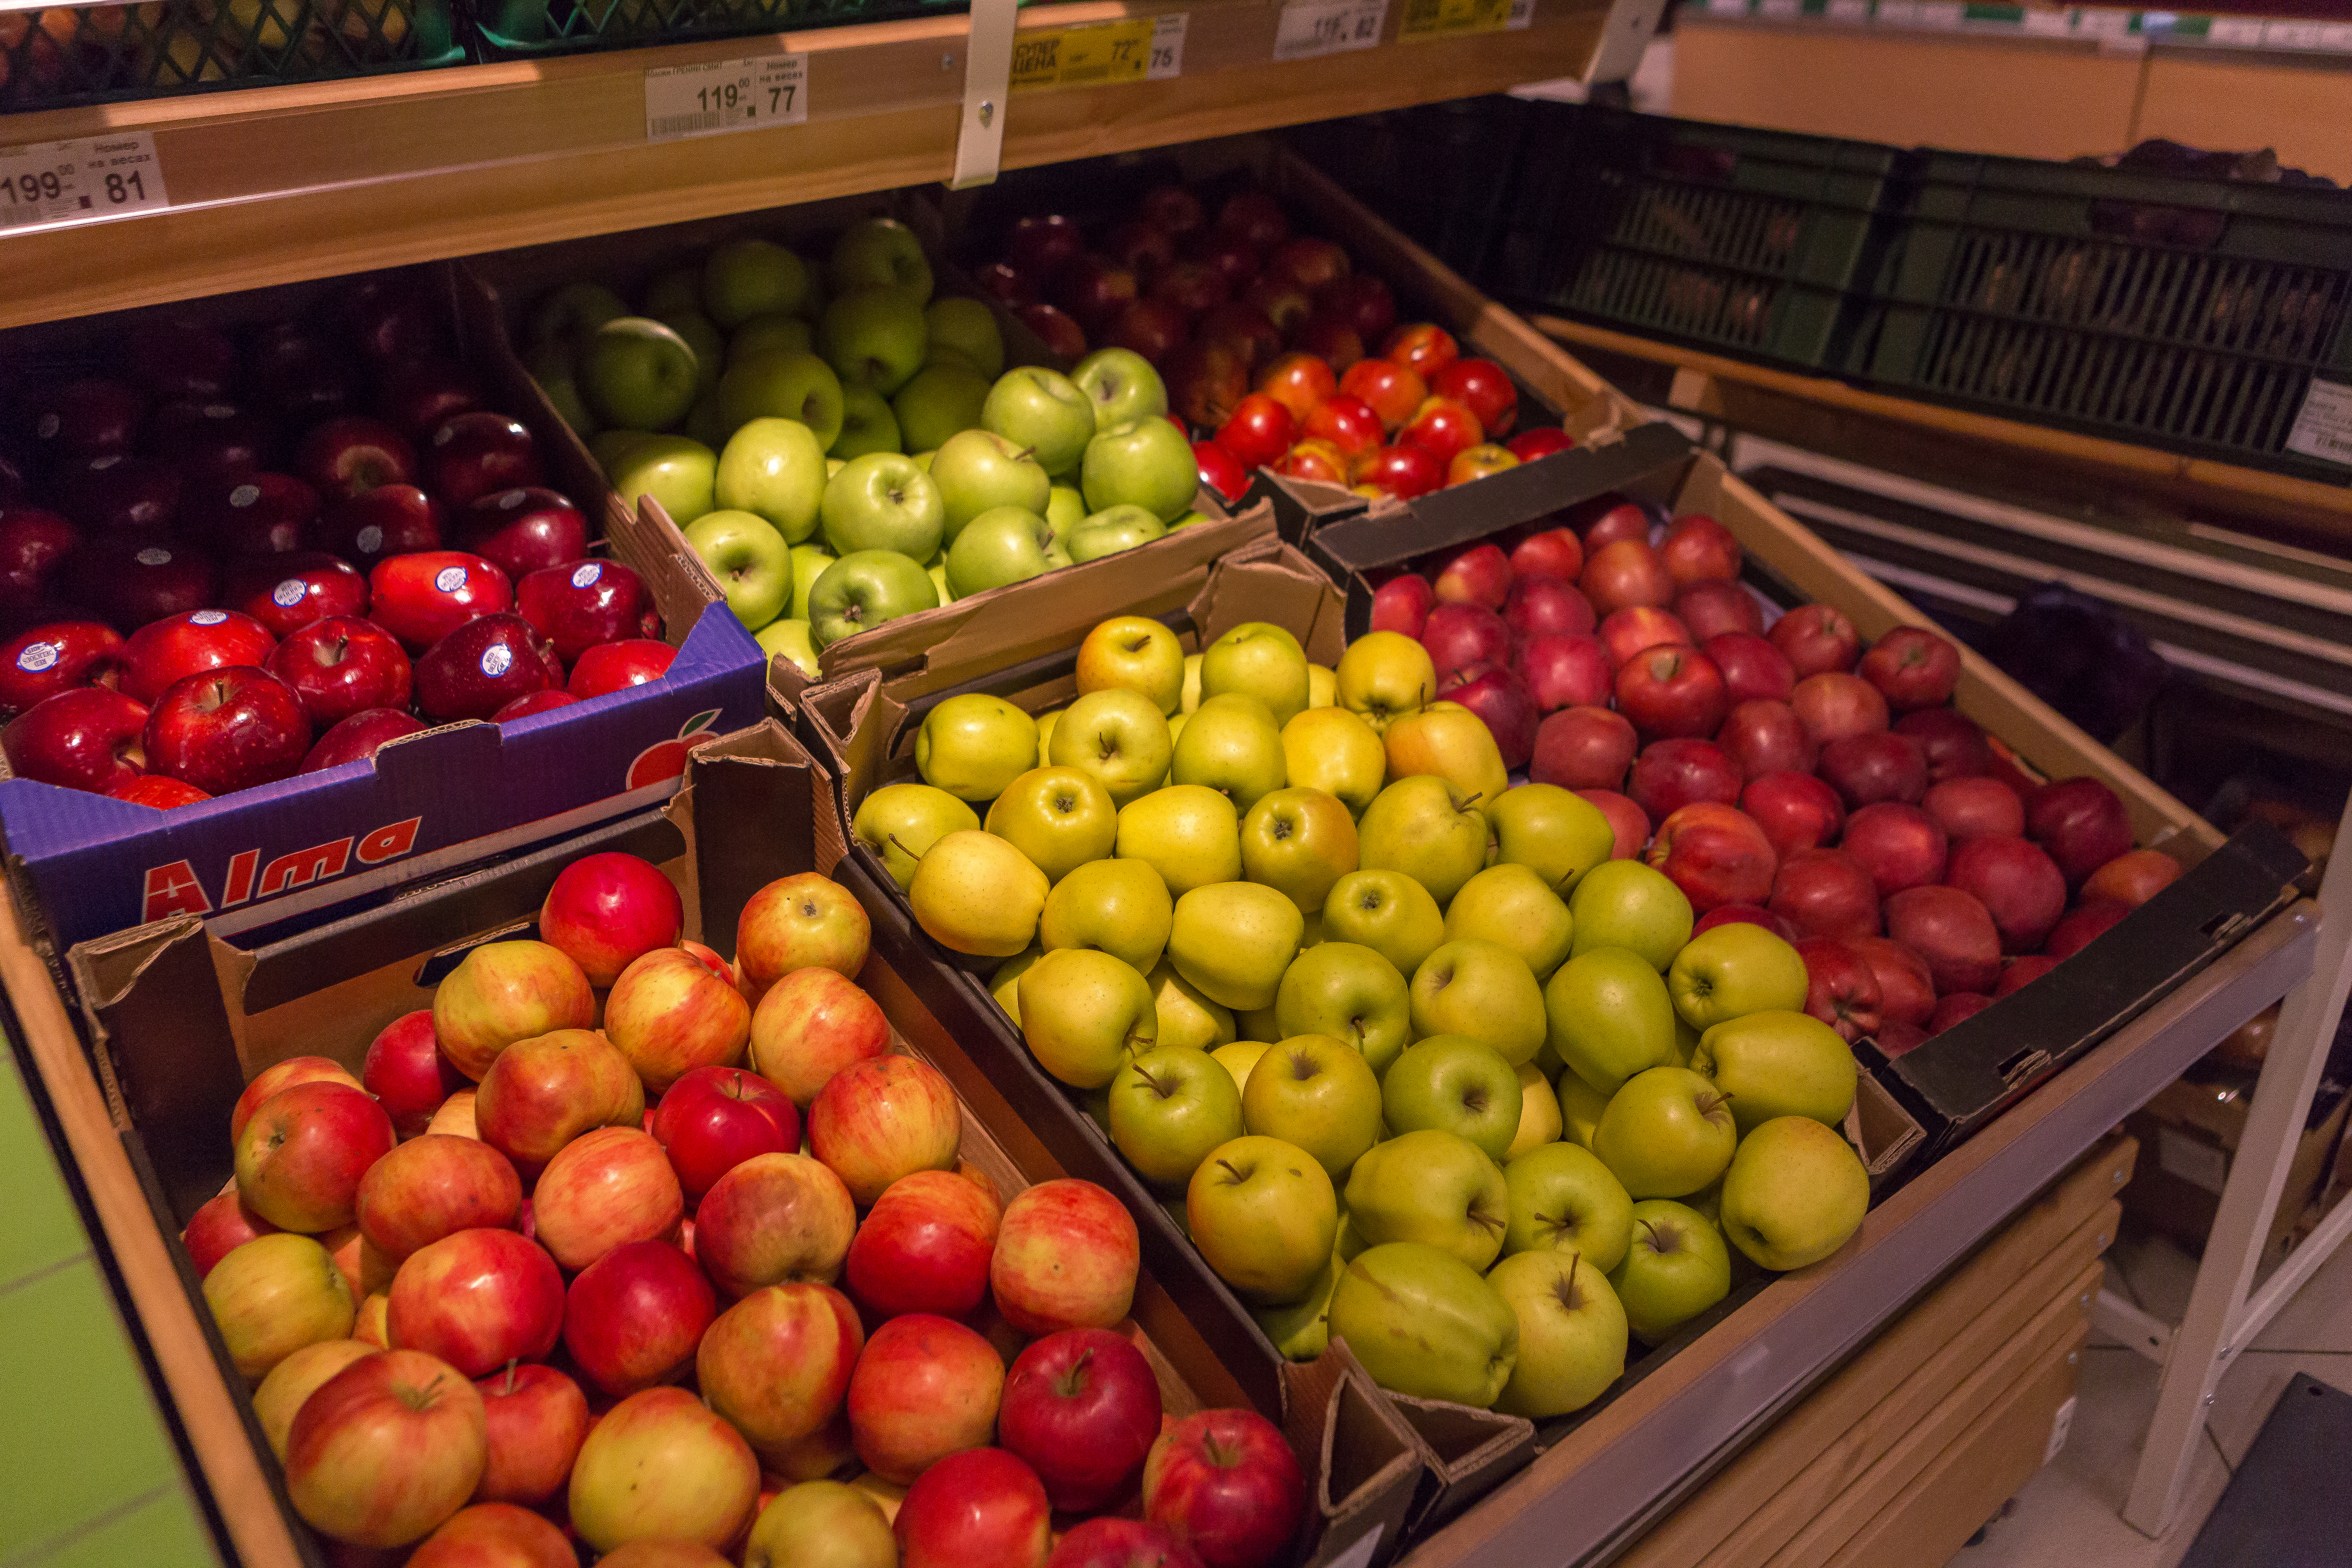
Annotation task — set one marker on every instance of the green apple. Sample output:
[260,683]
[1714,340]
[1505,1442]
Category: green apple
[1540,1119]
[1387,912]
[789,640]
[1581,1106]
[779,384]
[1556,833]
[1735,970]
[1190,699]
[1484,990]
[1322,680]
[1084,1013]
[974,746]
[809,561]
[610,447]
[872,338]
[1256,1023]
[555,367]
[1572,1333]
[1043,410]
[710,348]
[771,330]
[1118,906]
[1171,1107]
[750,560]
[570,314]
[1146,463]
[679,474]
[1425,827]
[1240,1057]
[1685,1041]
[1234,940]
[1187,1017]
[705,422]
[1676,1267]
[966,328]
[1563,1199]
[1046,722]
[938,401]
[880,253]
[1111,530]
[1002,546]
[1317,1093]
[866,424]
[1426,1325]
[773,467]
[1122,738]
[864,589]
[899,821]
[1233,746]
[937,572]
[1301,1330]
[1456,1084]
[1780,1063]
[1264,1214]
[1060,817]
[1510,905]
[1431,1186]
[1667,1133]
[1383,677]
[973,893]
[1299,842]
[1346,990]
[1134,652]
[977,469]
[747,278]
[1449,742]
[1120,387]
[1331,750]
[1260,659]
[1795,1192]
[882,501]
[1607,1017]
[1625,904]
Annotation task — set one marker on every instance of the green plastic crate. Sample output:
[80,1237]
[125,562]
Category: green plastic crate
[63,56]
[525,28]
[2188,314]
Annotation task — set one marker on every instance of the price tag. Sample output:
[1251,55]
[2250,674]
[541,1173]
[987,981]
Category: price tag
[2323,427]
[1450,18]
[1102,54]
[1312,27]
[52,184]
[712,99]
[2237,32]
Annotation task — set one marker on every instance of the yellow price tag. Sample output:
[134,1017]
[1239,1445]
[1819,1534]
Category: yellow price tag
[1140,49]
[1447,18]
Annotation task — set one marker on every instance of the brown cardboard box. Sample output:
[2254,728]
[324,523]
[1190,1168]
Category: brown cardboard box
[2191,1132]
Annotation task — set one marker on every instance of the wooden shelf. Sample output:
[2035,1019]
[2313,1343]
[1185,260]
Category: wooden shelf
[277,185]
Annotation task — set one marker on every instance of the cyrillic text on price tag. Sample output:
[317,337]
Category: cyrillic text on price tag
[49,185]
[1310,28]
[723,96]
[1448,18]
[1102,54]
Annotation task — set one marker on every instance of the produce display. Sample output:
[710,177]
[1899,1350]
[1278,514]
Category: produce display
[1486,1122]
[621,1249]
[1783,772]
[1266,338]
[843,449]
[234,559]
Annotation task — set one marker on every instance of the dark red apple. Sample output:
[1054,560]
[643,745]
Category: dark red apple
[251,514]
[1220,469]
[1280,302]
[1143,249]
[1458,635]
[482,665]
[1403,604]
[477,454]
[2091,920]
[1040,246]
[183,359]
[1104,1542]
[1948,928]
[391,319]
[155,790]
[1007,284]
[1537,606]
[1449,429]
[1328,338]
[1350,424]
[1969,807]
[423,597]
[1900,846]
[164,652]
[1585,748]
[227,730]
[1494,693]
[2081,822]
[1480,575]
[1814,638]
[1954,742]
[353,455]
[1485,388]
[1565,673]
[1153,328]
[2016,881]
[537,702]
[1552,553]
[1867,769]
[1713,608]
[523,530]
[1835,705]
[1627,822]
[1190,287]
[715,1118]
[1797,811]
[1206,382]
[1913,666]
[1715,855]
[358,737]
[90,738]
[1825,892]
[1094,290]
[132,581]
[1082,1408]
[1841,988]
[211,440]
[1061,335]
[1363,302]
[55,656]
[1955,1008]
[1620,576]
[300,373]
[34,545]
[617,666]
[1766,737]
[633,1318]
[84,418]
[1895,1039]
[113,493]
[1744,914]
[406,1072]
[1540,442]
[2016,974]
[1671,773]
[286,592]
[1697,548]
[1610,519]
[583,603]
[1403,472]
[1906,991]
[1752,667]
[340,665]
[1173,208]
[417,395]
[1243,328]
[391,520]
[1628,632]
[1672,694]
[1255,218]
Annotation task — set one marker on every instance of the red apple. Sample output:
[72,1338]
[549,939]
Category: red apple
[1715,607]
[1107,1542]
[1364,302]
[1082,1408]
[227,730]
[876,1121]
[1041,245]
[535,1419]
[92,738]
[1974,808]
[1671,773]
[1141,248]
[1627,822]
[1300,383]
[280,1077]
[164,652]
[1094,290]
[391,520]
[522,530]
[1841,988]
[1255,217]
[2017,883]
[537,702]
[184,358]
[610,1185]
[358,737]
[85,417]
[299,373]
[481,666]
[1282,302]
[354,454]
[250,513]
[1206,382]
[1613,518]
[155,790]
[1459,634]
[1540,442]
[1715,855]
[1894,1040]
[981,1508]
[1815,638]
[925,1247]
[614,667]
[1348,424]
[1796,811]
[2021,971]
[811,1024]
[1672,693]
[1866,769]
[342,665]
[433,1187]
[2132,877]
[34,545]
[1060,334]
[542,1092]
[2081,822]
[1479,576]
[1445,425]
[1066,1256]
[469,456]
[1697,548]
[776,1218]
[300,1157]
[478,1299]
[605,910]
[1766,737]
[670,1014]
[1824,893]
[581,603]
[1239,326]
[55,656]
[218,1227]
[1623,573]
[1954,742]
[1949,928]
[1328,337]
[1390,390]
[798,922]
[1629,632]
[2090,920]
[1258,431]
[1173,208]
[1552,553]
[1155,328]
[1955,1006]
[1403,604]
[634,1315]
[1585,747]
[1564,672]
[1495,693]
[1745,914]
[1913,666]
[1312,264]
[406,1073]
[1220,469]
[1319,461]
[286,592]
[1228,1484]
[1835,705]
[423,597]
[1906,991]
[115,494]
[1007,284]
[926,1387]
[1422,345]
[1403,472]
[386,1450]
[1752,667]
[715,1118]
[419,394]
[1900,846]
[1484,388]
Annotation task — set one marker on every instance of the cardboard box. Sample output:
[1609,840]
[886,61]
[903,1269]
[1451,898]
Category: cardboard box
[82,865]
[2191,1131]
[178,1017]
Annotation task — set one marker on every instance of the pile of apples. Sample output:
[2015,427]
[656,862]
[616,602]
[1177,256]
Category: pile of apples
[1266,338]
[1428,1068]
[1780,772]
[849,448]
[218,568]
[526,1281]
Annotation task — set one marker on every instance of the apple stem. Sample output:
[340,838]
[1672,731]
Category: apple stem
[1568,1296]
[1659,1242]
[901,843]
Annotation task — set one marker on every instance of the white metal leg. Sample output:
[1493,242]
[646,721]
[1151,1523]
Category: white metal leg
[2223,1312]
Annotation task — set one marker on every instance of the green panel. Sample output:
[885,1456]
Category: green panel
[163,1532]
[43,1228]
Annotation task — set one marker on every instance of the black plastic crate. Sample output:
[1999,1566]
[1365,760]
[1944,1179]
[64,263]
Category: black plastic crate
[1440,173]
[62,56]
[2190,314]
[1739,240]
[524,29]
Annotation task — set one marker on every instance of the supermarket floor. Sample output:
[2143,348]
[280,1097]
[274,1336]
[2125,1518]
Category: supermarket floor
[2067,1517]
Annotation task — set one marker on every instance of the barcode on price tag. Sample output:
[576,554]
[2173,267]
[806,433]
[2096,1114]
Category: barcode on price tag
[50,185]
[1313,28]
[723,96]
[1102,54]
[1448,18]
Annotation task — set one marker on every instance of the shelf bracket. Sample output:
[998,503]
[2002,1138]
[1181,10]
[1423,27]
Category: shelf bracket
[987,89]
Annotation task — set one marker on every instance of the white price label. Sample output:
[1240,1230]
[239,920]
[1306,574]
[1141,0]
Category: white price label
[50,185]
[712,99]
[2236,32]
[1851,11]
[2323,429]
[1309,29]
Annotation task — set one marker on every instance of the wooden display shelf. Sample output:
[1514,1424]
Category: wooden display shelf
[277,185]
